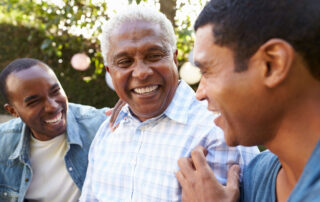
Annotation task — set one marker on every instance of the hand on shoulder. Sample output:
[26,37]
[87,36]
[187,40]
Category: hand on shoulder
[199,183]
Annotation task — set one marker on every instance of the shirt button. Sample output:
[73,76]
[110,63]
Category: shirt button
[5,193]
[27,179]
[70,168]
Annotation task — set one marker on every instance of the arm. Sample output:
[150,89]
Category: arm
[114,112]
[199,183]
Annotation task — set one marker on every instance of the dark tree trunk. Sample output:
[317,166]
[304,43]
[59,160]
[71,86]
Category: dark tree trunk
[168,7]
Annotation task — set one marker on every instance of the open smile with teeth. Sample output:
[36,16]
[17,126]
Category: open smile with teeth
[55,119]
[146,90]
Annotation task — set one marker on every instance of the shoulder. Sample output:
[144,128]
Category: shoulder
[11,127]
[308,186]
[104,129]
[10,133]
[311,194]
[84,120]
[102,132]
[86,116]
[259,177]
[261,165]
[86,112]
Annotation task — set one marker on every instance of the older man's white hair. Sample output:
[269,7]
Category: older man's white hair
[138,13]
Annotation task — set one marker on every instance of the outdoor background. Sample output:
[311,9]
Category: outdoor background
[55,30]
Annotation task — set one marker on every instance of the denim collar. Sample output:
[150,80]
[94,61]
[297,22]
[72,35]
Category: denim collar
[23,145]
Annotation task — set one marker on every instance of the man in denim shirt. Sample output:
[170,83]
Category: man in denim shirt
[43,153]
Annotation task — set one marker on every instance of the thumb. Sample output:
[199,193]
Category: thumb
[233,181]
[233,176]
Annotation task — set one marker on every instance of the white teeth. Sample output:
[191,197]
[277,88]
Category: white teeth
[145,89]
[55,119]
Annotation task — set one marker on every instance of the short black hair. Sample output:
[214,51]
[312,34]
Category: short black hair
[244,25]
[16,66]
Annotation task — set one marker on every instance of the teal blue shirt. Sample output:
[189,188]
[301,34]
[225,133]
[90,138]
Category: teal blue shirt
[259,179]
[15,168]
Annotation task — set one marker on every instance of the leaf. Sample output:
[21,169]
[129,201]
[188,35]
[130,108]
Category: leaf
[45,44]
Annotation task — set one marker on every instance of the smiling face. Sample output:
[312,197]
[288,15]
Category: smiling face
[38,99]
[143,69]
[237,96]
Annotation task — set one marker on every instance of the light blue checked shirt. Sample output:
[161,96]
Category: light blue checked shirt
[138,161]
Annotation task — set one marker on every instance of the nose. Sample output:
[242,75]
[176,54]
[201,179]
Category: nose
[51,105]
[201,92]
[141,70]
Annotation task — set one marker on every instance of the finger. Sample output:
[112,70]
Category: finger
[184,186]
[233,177]
[113,128]
[115,112]
[198,158]
[180,178]
[202,149]
[186,166]
[108,112]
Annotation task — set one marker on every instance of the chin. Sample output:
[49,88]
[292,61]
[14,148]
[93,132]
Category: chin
[230,141]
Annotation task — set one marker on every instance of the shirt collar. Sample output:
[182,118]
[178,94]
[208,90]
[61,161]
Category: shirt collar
[177,109]
[73,130]
[23,142]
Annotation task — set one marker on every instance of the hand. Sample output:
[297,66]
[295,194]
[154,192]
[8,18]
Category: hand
[114,112]
[199,183]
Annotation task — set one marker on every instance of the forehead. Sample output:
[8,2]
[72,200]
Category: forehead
[135,34]
[30,80]
[206,52]
[204,42]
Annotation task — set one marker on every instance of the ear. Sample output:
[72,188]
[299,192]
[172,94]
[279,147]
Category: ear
[175,57]
[11,110]
[278,57]
[107,68]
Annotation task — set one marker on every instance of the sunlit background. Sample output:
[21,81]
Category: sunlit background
[64,34]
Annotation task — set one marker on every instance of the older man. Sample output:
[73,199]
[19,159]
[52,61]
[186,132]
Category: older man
[162,122]
[261,70]
[44,152]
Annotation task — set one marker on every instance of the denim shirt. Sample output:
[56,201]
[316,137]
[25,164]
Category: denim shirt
[15,168]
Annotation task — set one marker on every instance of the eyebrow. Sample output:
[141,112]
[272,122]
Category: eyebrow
[54,86]
[119,55]
[32,97]
[157,49]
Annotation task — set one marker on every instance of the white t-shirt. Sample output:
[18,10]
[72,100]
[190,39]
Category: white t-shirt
[51,181]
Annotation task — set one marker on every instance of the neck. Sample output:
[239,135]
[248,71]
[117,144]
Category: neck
[297,136]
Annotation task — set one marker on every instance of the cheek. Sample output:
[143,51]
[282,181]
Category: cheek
[30,118]
[62,99]
[120,81]
[118,77]
[169,72]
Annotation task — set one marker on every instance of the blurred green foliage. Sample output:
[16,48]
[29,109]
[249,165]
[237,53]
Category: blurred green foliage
[54,33]
[55,22]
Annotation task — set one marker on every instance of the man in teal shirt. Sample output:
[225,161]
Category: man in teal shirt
[260,64]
